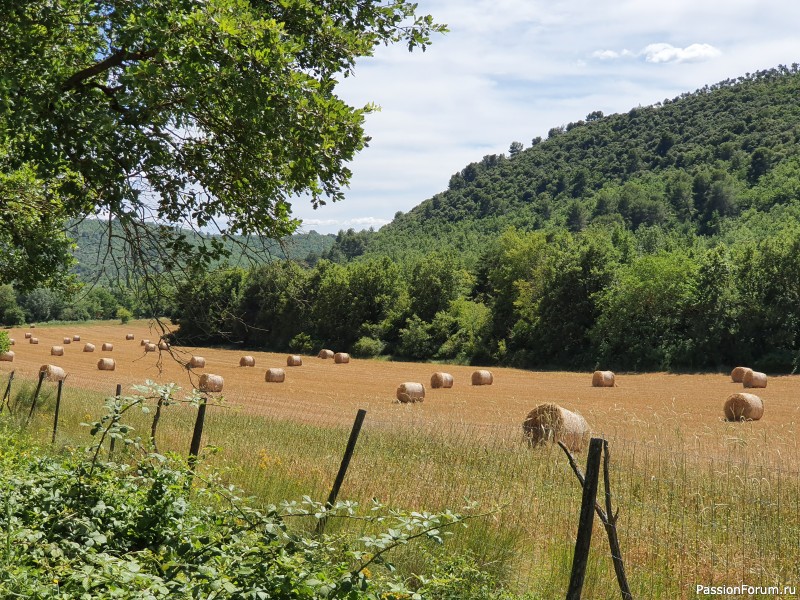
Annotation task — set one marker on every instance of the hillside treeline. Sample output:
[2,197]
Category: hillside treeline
[609,297]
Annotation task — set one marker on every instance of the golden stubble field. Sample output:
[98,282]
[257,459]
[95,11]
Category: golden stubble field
[653,408]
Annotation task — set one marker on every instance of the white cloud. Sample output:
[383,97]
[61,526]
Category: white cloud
[664,53]
[356,223]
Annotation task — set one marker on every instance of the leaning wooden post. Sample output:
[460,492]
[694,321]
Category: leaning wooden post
[197,434]
[348,454]
[208,383]
[58,407]
[36,394]
[111,444]
[7,394]
[586,522]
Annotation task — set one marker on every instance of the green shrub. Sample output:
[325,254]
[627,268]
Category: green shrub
[77,526]
[124,315]
[367,347]
[302,344]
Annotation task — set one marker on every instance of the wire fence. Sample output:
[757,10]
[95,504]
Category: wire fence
[716,510]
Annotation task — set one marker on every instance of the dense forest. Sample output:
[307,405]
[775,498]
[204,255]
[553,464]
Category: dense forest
[667,237]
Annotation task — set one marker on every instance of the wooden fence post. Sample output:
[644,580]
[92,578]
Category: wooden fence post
[111,444]
[36,395]
[348,454]
[7,394]
[58,407]
[586,522]
[197,434]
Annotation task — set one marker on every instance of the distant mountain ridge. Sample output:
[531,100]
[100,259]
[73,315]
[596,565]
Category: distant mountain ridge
[92,246]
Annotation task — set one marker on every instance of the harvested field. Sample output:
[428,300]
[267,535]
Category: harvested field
[650,408]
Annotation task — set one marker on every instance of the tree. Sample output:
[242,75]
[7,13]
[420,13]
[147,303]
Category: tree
[167,113]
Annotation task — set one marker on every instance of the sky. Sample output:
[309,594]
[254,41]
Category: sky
[510,70]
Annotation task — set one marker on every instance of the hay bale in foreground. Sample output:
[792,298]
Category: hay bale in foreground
[107,347]
[410,392]
[7,356]
[754,379]
[34,340]
[67,341]
[150,348]
[76,338]
[211,383]
[441,380]
[247,361]
[162,345]
[325,353]
[106,364]
[129,336]
[88,347]
[603,379]
[737,375]
[743,407]
[197,362]
[482,377]
[552,423]
[275,376]
[341,358]
[144,342]
[28,335]
[294,360]
[56,351]
[53,373]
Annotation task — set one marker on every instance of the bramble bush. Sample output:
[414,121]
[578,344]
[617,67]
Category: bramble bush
[73,525]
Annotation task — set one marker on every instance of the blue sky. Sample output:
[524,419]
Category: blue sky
[509,70]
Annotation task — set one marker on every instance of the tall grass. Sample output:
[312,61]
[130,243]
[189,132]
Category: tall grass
[717,511]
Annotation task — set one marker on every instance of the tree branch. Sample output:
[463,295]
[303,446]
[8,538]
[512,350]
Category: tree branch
[114,60]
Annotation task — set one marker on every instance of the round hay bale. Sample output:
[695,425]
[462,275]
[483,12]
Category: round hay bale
[247,361]
[106,364]
[76,338]
[275,376]
[737,375]
[197,362]
[67,341]
[28,335]
[411,392]
[150,348]
[552,423]
[294,361]
[482,377]
[56,351]
[12,341]
[325,353]
[162,345]
[32,325]
[144,342]
[129,336]
[108,347]
[341,358]
[211,383]
[88,347]
[53,373]
[743,407]
[7,356]
[603,379]
[34,340]
[754,379]
[441,380]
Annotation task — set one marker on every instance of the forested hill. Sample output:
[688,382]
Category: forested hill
[690,162]
[96,262]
